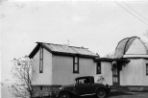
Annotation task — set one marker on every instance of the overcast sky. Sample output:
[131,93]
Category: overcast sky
[97,25]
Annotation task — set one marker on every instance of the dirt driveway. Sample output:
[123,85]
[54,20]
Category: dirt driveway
[128,95]
[125,95]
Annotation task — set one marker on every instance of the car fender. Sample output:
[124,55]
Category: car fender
[100,87]
[67,91]
[104,87]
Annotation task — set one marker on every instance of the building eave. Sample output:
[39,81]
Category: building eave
[111,59]
[34,51]
[136,56]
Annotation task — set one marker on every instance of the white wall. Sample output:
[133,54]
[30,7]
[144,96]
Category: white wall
[63,69]
[45,77]
[87,66]
[145,77]
[107,72]
[134,73]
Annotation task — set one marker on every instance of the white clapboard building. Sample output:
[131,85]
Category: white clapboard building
[55,64]
[129,65]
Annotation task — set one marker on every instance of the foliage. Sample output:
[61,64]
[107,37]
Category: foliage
[22,74]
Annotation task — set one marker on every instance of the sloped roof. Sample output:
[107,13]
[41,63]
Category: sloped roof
[63,49]
[123,46]
[146,46]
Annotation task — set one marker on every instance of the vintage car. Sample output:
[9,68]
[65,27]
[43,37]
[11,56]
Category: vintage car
[84,86]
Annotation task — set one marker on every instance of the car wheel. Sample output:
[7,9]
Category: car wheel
[64,95]
[101,93]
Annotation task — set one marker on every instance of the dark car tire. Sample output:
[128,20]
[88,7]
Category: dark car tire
[64,95]
[101,93]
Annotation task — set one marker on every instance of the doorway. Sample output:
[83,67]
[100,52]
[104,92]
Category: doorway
[115,75]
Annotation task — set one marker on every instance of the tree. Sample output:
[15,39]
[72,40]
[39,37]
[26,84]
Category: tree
[110,55]
[22,87]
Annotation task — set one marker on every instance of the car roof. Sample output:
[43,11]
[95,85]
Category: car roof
[84,77]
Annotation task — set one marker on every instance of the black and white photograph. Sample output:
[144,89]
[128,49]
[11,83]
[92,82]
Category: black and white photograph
[73,48]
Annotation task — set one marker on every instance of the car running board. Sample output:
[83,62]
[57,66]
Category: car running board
[88,94]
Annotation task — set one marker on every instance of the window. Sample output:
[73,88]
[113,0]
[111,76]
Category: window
[115,79]
[147,69]
[41,61]
[98,68]
[75,65]
[83,81]
[115,72]
[41,87]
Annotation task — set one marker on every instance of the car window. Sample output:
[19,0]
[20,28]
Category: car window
[83,81]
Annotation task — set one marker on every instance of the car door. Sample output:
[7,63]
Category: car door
[82,87]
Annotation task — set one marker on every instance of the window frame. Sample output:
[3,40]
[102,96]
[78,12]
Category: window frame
[146,69]
[41,87]
[75,64]
[41,60]
[97,66]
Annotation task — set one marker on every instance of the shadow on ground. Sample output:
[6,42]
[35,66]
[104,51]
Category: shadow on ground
[119,94]
[113,94]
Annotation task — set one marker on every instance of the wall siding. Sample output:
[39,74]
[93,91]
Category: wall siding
[107,72]
[63,69]
[87,66]
[134,73]
[45,77]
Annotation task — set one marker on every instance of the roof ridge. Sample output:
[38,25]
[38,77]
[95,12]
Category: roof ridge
[134,37]
[63,45]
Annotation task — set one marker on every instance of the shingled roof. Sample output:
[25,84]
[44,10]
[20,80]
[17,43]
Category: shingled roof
[63,50]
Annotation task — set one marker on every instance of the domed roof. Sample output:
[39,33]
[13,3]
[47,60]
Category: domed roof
[124,45]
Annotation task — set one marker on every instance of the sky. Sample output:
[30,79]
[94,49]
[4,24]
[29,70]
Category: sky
[97,25]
